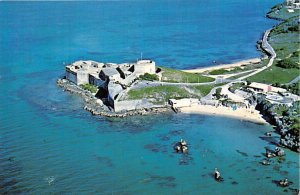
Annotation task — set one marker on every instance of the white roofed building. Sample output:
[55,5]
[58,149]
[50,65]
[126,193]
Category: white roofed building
[293,4]
[144,66]
[261,87]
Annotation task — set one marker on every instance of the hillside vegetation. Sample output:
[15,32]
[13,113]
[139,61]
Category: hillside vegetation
[284,38]
[177,76]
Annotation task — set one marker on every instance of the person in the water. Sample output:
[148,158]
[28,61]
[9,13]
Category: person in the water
[217,175]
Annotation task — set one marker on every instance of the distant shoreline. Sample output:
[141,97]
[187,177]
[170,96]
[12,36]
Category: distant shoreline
[224,66]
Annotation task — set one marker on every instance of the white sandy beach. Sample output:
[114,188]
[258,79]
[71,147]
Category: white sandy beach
[224,66]
[240,113]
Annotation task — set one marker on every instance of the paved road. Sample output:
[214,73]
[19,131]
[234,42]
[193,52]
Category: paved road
[265,45]
[295,80]
[269,49]
[227,76]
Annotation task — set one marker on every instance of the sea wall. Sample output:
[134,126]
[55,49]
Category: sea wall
[127,105]
[124,108]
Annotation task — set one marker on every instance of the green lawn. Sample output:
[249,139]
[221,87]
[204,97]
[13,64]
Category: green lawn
[218,72]
[285,44]
[284,38]
[240,75]
[177,76]
[90,87]
[205,89]
[275,74]
[159,93]
[280,12]
[239,69]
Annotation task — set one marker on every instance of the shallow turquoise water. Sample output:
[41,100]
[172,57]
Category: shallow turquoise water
[49,144]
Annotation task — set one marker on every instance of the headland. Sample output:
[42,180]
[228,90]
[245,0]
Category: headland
[232,90]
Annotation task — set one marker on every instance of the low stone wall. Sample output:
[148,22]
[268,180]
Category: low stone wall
[127,105]
[209,102]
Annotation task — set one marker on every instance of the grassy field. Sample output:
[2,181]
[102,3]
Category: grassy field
[219,71]
[90,87]
[284,38]
[238,69]
[164,93]
[203,90]
[280,12]
[240,75]
[275,74]
[177,76]
[160,93]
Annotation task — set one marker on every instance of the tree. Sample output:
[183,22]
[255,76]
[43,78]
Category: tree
[218,93]
[293,28]
[149,77]
[287,63]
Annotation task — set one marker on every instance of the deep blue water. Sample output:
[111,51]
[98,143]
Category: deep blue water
[50,145]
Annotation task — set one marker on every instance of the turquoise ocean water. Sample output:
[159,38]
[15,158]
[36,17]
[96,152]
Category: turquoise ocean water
[50,145]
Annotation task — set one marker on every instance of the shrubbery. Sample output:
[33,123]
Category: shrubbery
[89,87]
[296,54]
[293,88]
[218,71]
[149,77]
[287,63]
[218,93]
[293,28]
[295,127]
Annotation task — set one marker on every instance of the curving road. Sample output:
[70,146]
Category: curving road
[266,47]
[269,49]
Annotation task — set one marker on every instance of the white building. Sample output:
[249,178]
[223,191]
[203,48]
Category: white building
[184,102]
[79,72]
[144,66]
[261,87]
[293,4]
[110,74]
[113,78]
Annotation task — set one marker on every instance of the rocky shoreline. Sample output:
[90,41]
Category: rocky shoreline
[96,106]
[283,124]
[289,138]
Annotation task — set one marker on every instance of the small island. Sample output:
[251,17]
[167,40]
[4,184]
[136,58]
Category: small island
[259,90]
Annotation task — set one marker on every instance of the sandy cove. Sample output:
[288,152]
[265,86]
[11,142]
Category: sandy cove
[225,66]
[240,113]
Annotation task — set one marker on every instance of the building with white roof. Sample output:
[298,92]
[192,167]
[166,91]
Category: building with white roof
[261,87]
[293,4]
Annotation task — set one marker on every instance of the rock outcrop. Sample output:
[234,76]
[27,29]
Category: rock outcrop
[97,107]
[285,125]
